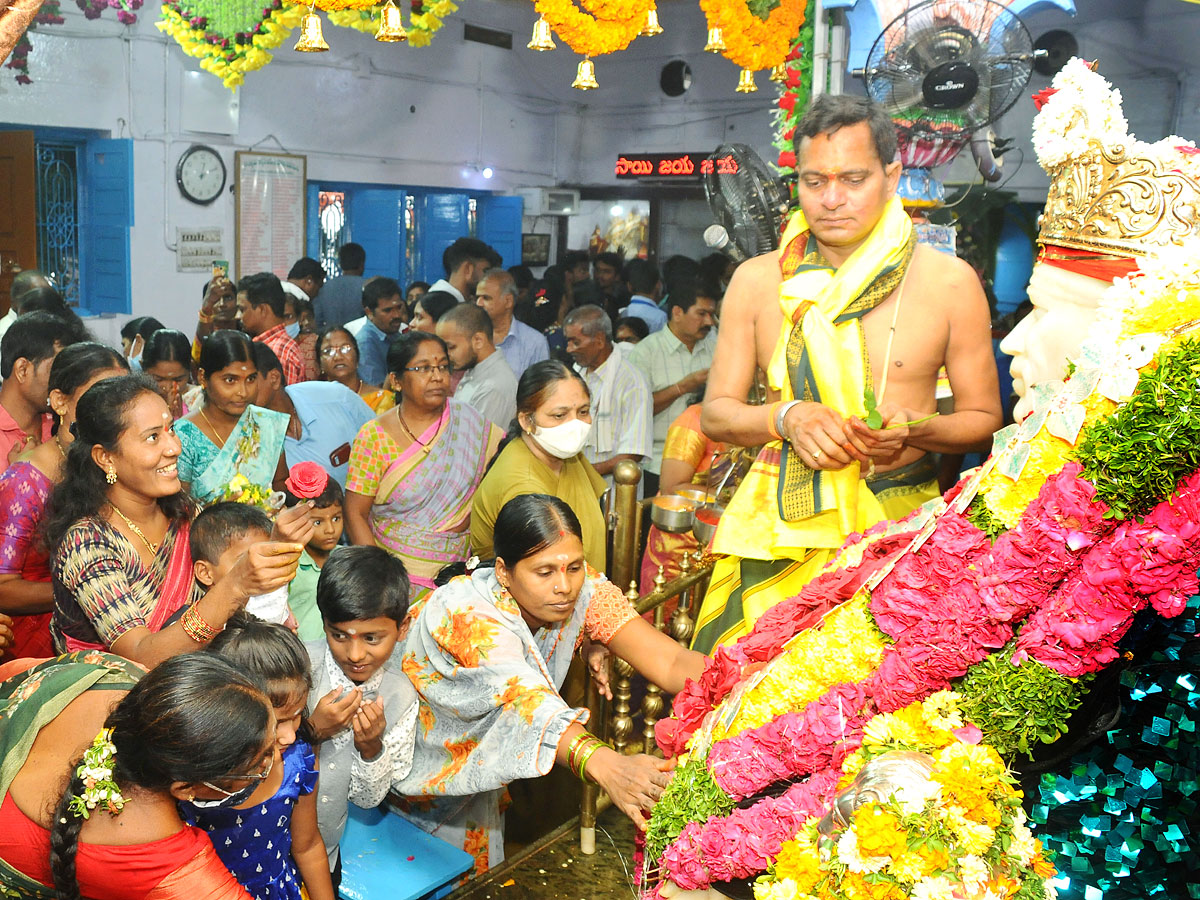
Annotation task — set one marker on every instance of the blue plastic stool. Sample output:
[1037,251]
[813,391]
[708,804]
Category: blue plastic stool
[386,857]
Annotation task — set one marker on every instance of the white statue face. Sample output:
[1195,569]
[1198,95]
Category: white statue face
[1064,305]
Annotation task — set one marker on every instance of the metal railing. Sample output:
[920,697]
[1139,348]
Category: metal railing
[618,722]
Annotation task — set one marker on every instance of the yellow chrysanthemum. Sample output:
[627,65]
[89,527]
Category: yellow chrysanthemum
[908,867]
[856,887]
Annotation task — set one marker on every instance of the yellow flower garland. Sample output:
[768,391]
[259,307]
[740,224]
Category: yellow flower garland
[847,647]
[594,36]
[751,42]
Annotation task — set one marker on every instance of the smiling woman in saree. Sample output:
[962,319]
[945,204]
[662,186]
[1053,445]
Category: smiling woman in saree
[414,469]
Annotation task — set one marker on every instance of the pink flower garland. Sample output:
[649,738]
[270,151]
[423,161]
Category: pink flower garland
[1082,578]
[821,735]
[746,842]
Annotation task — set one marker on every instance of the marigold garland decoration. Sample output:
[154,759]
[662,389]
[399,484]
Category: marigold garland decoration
[752,42]
[231,38]
[595,35]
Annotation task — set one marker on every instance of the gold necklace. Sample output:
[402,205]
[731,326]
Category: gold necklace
[133,525]
[416,440]
[220,446]
[60,448]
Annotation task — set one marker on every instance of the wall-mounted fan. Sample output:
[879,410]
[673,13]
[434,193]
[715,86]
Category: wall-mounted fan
[748,201]
[946,68]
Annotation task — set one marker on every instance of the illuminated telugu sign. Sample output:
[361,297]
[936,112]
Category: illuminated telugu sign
[672,166]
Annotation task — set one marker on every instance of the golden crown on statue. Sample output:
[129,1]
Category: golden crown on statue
[1109,192]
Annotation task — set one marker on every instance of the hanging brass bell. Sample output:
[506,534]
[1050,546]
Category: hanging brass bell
[746,83]
[391,27]
[311,39]
[779,73]
[585,78]
[651,28]
[716,41]
[543,37]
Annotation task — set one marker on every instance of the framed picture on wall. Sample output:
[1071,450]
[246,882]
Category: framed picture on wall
[535,249]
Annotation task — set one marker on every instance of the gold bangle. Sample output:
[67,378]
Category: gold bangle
[203,319]
[771,429]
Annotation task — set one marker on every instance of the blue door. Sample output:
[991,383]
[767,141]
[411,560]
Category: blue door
[499,225]
[444,221]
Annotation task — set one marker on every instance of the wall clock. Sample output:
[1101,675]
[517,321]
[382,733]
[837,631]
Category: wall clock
[200,174]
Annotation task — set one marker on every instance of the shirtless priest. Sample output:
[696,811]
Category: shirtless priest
[849,302]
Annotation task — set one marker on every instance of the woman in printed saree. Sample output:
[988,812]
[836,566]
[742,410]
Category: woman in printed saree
[545,457]
[25,589]
[194,728]
[231,449]
[414,469]
[687,458]
[119,522]
[488,653]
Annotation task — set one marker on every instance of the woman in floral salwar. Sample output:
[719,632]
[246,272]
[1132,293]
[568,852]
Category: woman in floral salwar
[194,728]
[488,653]
[414,469]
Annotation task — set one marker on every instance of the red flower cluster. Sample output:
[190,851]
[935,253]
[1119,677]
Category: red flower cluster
[1151,562]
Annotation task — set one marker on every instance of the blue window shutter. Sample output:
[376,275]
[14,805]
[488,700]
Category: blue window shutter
[376,218]
[312,225]
[500,226]
[444,221]
[107,218]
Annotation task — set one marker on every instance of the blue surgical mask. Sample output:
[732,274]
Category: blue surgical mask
[293,330]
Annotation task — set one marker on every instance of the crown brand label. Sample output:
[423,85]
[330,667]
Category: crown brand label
[950,86]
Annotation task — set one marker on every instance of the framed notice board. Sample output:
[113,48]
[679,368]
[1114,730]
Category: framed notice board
[269,228]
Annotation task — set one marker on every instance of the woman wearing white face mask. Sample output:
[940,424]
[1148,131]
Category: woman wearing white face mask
[543,457]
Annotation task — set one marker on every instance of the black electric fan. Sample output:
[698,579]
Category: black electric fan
[749,202]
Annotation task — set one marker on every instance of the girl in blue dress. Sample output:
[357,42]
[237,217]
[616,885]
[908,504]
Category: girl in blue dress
[267,833]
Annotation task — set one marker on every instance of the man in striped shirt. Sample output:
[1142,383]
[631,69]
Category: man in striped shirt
[260,304]
[622,410]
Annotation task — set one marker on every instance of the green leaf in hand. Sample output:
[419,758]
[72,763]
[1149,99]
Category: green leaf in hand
[872,419]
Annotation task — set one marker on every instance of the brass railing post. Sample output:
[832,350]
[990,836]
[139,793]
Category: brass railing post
[624,564]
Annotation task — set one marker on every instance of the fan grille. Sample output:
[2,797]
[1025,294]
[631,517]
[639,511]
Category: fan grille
[747,199]
[944,68]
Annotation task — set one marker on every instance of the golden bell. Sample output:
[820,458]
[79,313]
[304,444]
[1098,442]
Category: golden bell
[779,73]
[716,41]
[311,39]
[391,28]
[585,78]
[746,83]
[651,28]
[543,37]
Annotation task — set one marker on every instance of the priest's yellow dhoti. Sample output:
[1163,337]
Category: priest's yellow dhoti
[786,520]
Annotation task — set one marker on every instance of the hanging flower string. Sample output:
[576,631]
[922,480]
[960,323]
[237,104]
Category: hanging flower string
[595,35]
[50,13]
[794,91]
[752,42]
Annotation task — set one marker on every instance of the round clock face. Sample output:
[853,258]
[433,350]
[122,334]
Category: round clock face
[200,174]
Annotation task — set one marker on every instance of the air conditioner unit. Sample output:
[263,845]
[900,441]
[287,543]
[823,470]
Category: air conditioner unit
[546,201]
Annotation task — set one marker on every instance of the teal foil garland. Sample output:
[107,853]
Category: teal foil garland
[1123,816]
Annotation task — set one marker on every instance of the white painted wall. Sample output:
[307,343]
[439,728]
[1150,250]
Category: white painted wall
[372,112]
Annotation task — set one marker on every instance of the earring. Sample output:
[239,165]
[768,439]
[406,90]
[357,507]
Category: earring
[110,476]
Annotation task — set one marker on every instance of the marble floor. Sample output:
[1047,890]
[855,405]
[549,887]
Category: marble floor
[552,868]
